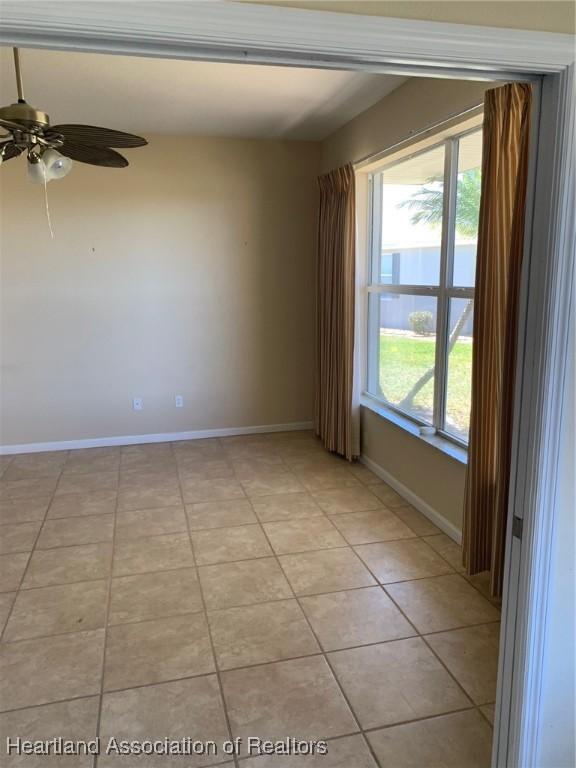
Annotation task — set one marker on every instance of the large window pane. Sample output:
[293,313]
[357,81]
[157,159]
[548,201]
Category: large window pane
[402,352]
[459,378]
[467,209]
[412,196]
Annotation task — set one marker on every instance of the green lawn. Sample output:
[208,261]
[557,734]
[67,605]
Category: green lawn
[404,359]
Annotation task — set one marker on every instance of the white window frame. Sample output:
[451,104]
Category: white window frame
[443,292]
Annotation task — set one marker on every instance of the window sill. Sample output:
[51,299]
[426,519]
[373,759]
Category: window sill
[436,441]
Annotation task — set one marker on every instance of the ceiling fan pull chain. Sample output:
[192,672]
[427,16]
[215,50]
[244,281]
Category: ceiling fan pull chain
[46,202]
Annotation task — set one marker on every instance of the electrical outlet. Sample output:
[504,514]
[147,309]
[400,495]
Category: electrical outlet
[137,404]
[179,401]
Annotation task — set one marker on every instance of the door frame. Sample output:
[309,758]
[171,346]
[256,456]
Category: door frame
[260,34]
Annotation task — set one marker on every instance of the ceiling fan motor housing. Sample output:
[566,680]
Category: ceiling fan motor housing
[25,114]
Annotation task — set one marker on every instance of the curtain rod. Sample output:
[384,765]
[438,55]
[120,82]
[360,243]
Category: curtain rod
[419,135]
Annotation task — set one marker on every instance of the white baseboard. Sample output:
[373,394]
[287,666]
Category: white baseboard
[432,514]
[162,437]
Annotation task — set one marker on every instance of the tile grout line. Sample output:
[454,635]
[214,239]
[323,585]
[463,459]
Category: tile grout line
[466,577]
[43,499]
[24,572]
[423,537]
[209,612]
[49,703]
[378,585]
[5,466]
[415,628]
[64,546]
[419,634]
[423,637]
[440,533]
[98,723]
[375,729]
[456,711]
[184,505]
[324,655]
[210,674]
[484,715]
[209,630]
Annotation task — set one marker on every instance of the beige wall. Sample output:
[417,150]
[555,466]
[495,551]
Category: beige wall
[434,476]
[539,15]
[190,272]
[437,478]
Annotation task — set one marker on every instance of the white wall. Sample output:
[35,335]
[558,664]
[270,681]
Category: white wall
[556,737]
[189,272]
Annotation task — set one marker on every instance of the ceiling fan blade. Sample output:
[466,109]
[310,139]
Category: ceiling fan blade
[10,150]
[84,153]
[97,137]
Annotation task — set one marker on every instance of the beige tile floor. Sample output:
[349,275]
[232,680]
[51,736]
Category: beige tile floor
[247,586]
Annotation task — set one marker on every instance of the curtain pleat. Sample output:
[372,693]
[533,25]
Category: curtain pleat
[506,136]
[335,306]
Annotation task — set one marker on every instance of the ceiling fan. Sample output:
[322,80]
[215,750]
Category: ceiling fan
[50,149]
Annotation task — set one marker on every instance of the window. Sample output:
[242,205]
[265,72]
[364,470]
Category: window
[423,234]
[389,268]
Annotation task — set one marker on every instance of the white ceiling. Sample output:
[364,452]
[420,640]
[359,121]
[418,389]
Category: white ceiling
[184,97]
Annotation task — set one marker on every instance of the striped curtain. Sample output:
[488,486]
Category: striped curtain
[506,136]
[334,420]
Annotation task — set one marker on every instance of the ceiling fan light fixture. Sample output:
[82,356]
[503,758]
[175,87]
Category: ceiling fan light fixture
[57,166]
[49,166]
[36,169]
